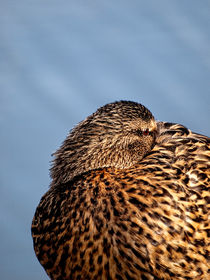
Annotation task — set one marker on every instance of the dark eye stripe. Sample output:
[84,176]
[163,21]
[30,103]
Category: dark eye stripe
[145,132]
[139,132]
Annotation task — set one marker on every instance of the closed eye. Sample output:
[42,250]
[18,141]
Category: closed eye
[145,132]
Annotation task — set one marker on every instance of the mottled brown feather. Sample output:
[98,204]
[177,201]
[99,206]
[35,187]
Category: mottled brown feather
[148,221]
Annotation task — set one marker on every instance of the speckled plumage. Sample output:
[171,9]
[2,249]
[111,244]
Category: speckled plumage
[147,220]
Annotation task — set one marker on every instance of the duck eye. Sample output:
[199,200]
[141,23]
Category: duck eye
[146,132]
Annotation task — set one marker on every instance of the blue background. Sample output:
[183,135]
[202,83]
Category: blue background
[60,61]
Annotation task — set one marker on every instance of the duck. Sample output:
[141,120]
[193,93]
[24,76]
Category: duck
[129,199]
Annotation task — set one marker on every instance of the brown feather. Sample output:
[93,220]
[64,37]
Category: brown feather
[150,220]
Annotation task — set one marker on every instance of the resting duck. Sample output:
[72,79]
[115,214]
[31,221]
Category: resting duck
[129,199]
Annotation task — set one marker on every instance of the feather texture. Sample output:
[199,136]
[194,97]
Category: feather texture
[150,220]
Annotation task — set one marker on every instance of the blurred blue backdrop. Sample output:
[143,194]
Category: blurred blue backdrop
[60,61]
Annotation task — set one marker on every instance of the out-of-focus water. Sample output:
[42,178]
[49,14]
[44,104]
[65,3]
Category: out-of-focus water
[60,61]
